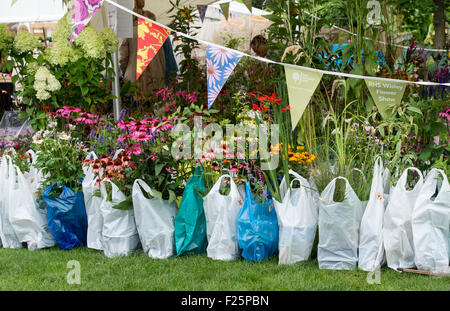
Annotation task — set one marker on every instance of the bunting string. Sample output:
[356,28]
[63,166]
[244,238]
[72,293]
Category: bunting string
[334,73]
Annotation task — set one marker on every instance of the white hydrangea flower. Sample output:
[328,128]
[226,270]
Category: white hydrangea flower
[44,83]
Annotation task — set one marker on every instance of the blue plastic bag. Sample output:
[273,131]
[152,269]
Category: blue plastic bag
[190,222]
[66,217]
[257,228]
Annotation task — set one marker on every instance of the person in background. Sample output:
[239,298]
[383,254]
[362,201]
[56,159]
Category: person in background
[171,62]
[153,77]
[259,46]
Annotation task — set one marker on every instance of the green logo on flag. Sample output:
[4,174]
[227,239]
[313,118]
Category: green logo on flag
[301,86]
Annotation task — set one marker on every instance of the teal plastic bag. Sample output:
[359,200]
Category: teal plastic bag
[190,222]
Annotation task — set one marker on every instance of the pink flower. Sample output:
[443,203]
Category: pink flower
[135,150]
[140,136]
[436,140]
[121,139]
[169,170]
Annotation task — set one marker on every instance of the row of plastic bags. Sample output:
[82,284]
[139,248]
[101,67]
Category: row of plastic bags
[404,228]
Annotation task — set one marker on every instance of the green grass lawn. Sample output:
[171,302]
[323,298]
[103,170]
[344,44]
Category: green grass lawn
[46,269]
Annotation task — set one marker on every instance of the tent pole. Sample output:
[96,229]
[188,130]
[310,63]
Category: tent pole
[116,88]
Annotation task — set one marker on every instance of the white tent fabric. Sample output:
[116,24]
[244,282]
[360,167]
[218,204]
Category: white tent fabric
[31,11]
[237,9]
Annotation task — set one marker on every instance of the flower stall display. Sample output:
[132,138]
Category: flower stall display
[252,178]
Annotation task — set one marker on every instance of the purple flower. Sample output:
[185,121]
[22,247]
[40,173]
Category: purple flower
[122,114]
[92,134]
[80,11]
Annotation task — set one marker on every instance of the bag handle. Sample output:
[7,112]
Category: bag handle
[328,193]
[20,177]
[116,154]
[404,177]
[32,155]
[143,185]
[92,155]
[114,191]
[302,185]
[430,183]
[216,187]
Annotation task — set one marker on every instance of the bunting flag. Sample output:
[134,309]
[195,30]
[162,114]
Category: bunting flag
[150,39]
[220,64]
[385,94]
[83,11]
[225,9]
[202,11]
[301,86]
[248,4]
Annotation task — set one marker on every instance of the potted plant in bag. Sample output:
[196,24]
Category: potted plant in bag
[59,158]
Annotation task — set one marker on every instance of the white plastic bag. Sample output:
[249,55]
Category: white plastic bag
[221,213]
[430,225]
[120,236]
[34,176]
[297,221]
[28,222]
[339,224]
[8,183]
[116,154]
[371,249]
[93,212]
[155,222]
[397,229]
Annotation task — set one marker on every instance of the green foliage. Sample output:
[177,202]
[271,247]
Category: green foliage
[189,67]
[60,157]
[79,69]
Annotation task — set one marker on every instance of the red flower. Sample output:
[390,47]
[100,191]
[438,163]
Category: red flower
[46,108]
[285,109]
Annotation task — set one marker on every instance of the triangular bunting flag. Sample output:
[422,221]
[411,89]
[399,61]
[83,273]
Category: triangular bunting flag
[301,86]
[248,4]
[150,39]
[220,64]
[225,9]
[83,11]
[202,11]
[385,94]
